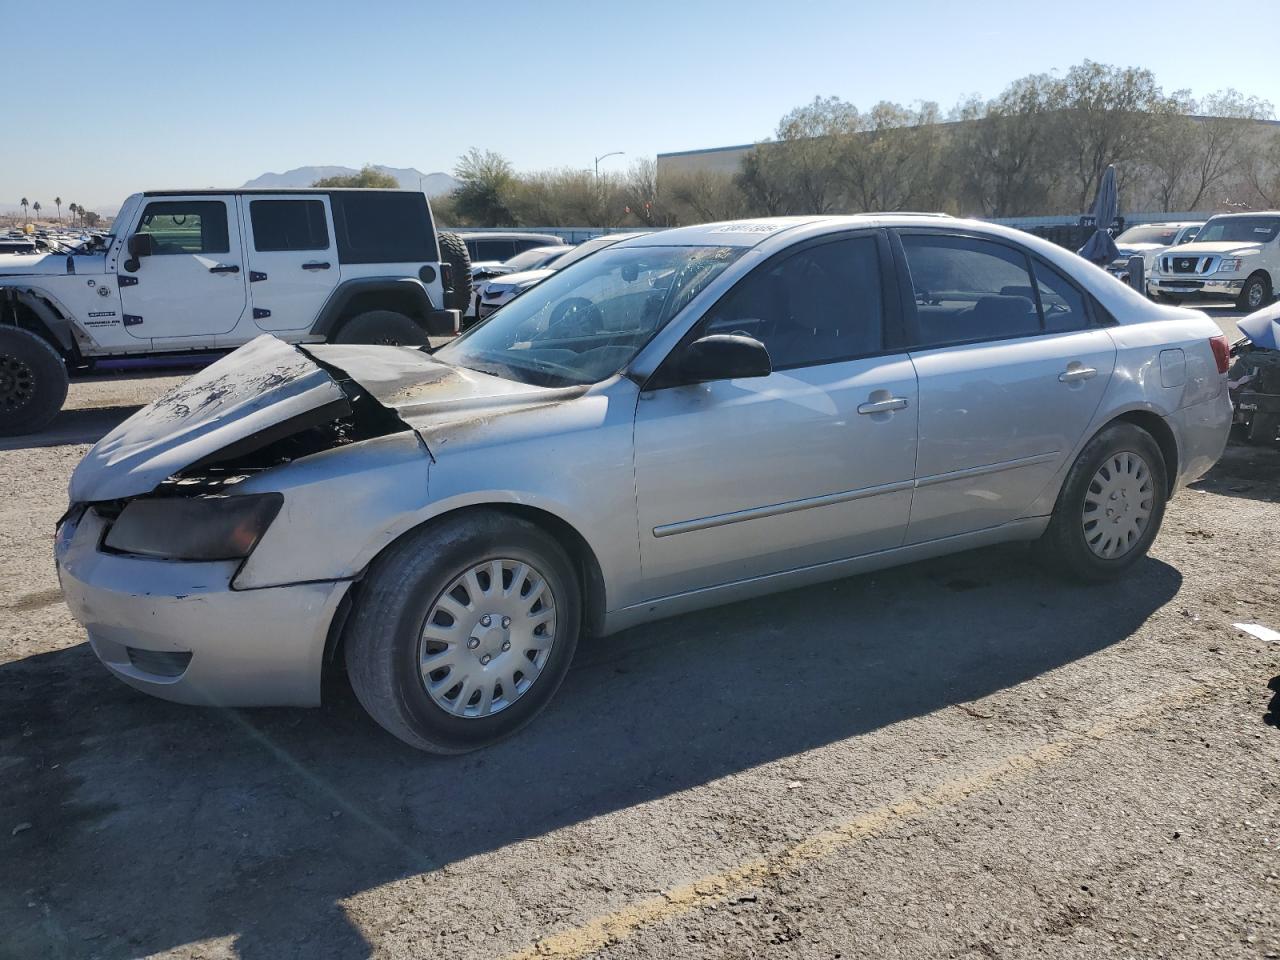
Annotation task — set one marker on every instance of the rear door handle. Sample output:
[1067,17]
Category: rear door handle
[883,406]
[316,265]
[225,268]
[1077,371]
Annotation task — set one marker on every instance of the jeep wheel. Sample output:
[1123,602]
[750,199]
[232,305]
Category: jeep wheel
[1256,293]
[33,382]
[384,327]
[454,252]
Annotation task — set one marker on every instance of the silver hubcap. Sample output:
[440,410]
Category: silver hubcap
[487,637]
[1118,505]
[1255,294]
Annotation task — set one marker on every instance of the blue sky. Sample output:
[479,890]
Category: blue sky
[123,96]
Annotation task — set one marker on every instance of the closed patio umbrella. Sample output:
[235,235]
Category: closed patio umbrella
[1100,248]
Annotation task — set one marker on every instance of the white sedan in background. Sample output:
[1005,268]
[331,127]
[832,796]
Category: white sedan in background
[494,293]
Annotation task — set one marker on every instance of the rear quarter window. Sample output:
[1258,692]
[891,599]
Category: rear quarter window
[387,227]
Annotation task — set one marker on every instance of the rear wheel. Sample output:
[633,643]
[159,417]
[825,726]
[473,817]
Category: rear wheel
[1110,507]
[463,631]
[33,382]
[1256,293]
[385,327]
[453,251]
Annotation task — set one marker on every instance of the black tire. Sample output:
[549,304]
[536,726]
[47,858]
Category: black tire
[386,327]
[1064,545]
[33,382]
[453,251]
[383,635]
[1256,293]
[1262,428]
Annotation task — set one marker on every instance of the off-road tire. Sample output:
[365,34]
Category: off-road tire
[381,638]
[1256,293]
[453,251]
[33,382]
[1063,546]
[386,327]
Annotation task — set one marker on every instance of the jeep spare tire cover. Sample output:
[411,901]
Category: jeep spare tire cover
[453,251]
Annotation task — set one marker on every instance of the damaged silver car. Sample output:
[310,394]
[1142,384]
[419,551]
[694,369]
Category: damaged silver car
[685,419]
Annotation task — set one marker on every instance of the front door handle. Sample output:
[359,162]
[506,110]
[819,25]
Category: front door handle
[883,406]
[316,265]
[225,268]
[1076,371]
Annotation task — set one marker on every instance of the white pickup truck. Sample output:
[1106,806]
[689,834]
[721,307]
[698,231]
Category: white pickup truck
[1235,256]
[209,270]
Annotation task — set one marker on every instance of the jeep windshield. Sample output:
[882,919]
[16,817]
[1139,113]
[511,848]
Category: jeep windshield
[1239,230]
[586,322]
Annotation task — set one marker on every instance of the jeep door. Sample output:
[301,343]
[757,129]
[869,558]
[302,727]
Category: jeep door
[192,284]
[813,463]
[1012,364]
[292,258]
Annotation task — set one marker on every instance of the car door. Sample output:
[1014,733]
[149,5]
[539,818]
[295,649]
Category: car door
[813,463]
[191,285]
[293,260]
[1012,365]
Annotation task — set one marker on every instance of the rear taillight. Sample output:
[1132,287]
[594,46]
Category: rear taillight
[1221,352]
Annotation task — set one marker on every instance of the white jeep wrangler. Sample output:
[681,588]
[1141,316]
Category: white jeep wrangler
[209,270]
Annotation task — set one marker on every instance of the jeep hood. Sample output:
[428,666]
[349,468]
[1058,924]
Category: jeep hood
[33,264]
[268,391]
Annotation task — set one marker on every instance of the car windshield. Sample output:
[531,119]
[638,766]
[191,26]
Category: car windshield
[531,259]
[585,323]
[1239,230]
[1161,235]
[584,249]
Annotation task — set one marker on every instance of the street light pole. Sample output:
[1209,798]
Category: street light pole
[605,156]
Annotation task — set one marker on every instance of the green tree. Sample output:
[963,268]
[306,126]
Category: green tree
[487,182]
[369,176]
[36,207]
[90,218]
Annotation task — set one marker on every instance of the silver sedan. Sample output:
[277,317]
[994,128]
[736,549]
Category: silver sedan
[684,419]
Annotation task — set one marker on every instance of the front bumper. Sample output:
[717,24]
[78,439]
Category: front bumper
[178,631]
[1191,287]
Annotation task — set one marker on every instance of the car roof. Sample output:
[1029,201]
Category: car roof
[754,231]
[1248,213]
[549,239]
[212,191]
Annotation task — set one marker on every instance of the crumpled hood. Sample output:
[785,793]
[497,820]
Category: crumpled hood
[268,390]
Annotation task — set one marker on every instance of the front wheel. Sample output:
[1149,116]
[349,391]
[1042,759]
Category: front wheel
[1110,507]
[33,382]
[463,631]
[1256,293]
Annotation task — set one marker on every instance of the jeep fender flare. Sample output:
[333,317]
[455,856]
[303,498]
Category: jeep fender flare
[404,294]
[52,316]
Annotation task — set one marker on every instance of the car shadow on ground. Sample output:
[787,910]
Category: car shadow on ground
[72,427]
[154,825]
[1245,470]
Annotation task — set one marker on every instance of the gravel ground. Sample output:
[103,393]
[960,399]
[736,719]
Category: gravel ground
[960,758]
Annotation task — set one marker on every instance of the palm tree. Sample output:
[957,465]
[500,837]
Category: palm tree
[73,208]
[58,202]
[36,207]
[24,205]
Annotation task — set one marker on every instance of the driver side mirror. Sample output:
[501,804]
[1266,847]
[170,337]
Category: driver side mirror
[139,245]
[723,356]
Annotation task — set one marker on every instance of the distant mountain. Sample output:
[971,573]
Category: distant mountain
[433,184]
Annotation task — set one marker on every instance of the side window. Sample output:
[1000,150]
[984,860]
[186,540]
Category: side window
[820,305]
[1063,305]
[969,289]
[186,226]
[288,225]
[495,250]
